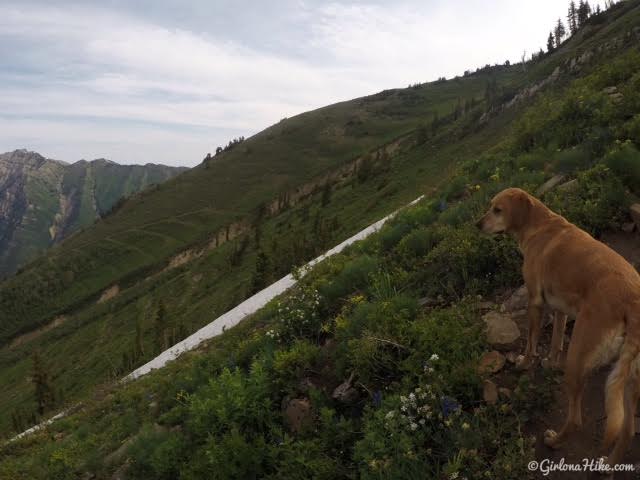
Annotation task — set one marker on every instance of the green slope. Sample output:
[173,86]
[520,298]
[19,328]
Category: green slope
[424,253]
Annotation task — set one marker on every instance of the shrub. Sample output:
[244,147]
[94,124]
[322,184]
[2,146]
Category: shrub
[291,364]
[568,161]
[467,262]
[418,243]
[624,161]
[595,205]
[353,276]
[392,234]
[297,315]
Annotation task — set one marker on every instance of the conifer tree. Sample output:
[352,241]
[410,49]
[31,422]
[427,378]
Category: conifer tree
[41,380]
[584,10]
[550,43]
[572,19]
[559,32]
[160,328]
[326,194]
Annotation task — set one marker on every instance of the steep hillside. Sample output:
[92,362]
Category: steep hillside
[43,201]
[319,384]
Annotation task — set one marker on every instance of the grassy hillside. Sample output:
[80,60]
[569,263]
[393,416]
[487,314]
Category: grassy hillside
[219,412]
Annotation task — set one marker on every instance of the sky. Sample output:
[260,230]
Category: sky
[166,81]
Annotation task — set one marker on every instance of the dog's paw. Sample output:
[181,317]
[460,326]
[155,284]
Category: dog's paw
[550,363]
[550,438]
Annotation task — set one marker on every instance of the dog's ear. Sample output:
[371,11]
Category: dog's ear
[520,207]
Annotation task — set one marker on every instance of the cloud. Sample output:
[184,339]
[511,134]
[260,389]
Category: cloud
[82,80]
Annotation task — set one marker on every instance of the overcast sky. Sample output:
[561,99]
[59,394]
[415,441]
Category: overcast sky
[166,81]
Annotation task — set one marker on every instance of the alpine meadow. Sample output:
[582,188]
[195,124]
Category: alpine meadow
[394,359]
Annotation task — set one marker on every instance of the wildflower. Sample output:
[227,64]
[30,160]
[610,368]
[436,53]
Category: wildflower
[434,357]
[390,414]
[465,426]
[422,421]
[449,406]
[453,476]
[448,422]
[413,426]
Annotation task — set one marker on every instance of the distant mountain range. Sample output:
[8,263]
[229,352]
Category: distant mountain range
[42,200]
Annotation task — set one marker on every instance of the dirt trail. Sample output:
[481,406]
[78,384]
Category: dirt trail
[586,443]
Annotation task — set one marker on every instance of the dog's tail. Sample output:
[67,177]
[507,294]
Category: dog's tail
[622,391]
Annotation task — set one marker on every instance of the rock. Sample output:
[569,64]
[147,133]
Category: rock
[486,306]
[610,90]
[345,392]
[504,392]
[549,184]
[616,97]
[298,414]
[568,186]
[634,210]
[628,227]
[489,392]
[501,329]
[491,362]
[518,300]
[512,357]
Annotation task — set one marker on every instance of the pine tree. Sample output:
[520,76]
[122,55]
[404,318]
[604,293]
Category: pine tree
[550,43]
[584,10]
[40,379]
[160,328]
[262,273]
[572,19]
[326,194]
[560,32]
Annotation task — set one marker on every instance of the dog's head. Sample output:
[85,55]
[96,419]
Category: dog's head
[508,213]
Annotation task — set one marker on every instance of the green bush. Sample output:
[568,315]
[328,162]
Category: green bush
[568,161]
[297,315]
[353,276]
[624,161]
[468,262]
[392,234]
[418,243]
[597,202]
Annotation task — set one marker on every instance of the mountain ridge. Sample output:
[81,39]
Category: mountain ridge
[43,200]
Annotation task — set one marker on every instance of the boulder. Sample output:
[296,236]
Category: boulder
[491,362]
[568,186]
[518,300]
[549,184]
[345,392]
[634,210]
[504,392]
[616,97]
[489,392]
[610,90]
[501,329]
[298,414]
[628,227]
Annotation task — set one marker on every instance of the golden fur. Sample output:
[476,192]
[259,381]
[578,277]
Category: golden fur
[579,276]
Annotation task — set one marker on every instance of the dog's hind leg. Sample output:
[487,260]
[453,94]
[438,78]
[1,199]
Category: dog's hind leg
[579,363]
[557,339]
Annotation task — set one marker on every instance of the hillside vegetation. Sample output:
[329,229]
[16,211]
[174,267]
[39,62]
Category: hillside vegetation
[43,201]
[348,375]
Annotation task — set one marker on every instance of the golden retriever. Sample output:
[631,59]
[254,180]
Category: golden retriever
[575,274]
